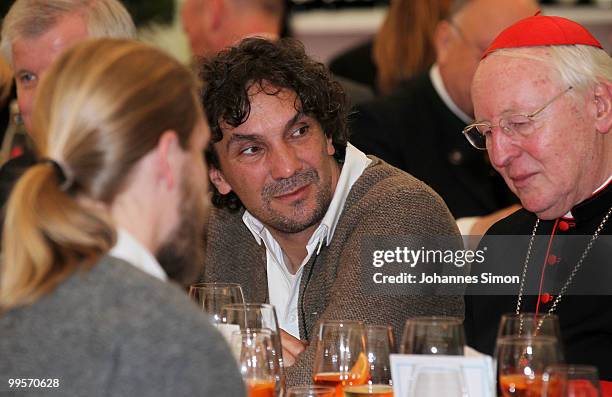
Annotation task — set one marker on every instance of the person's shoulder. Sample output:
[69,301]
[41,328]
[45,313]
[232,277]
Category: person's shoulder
[156,326]
[384,189]
[409,100]
[384,179]
[114,285]
[518,223]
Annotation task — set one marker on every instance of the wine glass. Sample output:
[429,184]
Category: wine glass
[340,358]
[256,356]
[529,324]
[248,316]
[435,381]
[311,391]
[211,297]
[434,335]
[571,381]
[521,361]
[379,345]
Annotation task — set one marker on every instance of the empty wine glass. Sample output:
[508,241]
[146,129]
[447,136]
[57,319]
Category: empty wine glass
[253,316]
[521,361]
[311,391]
[571,381]
[256,356]
[211,297]
[434,335]
[340,358]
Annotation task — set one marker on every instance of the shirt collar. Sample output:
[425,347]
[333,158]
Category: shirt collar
[132,251]
[596,192]
[355,162]
[438,84]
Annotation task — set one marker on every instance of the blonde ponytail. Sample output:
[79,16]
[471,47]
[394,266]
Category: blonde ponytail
[101,108]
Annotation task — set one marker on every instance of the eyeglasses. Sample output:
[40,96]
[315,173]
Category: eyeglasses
[518,125]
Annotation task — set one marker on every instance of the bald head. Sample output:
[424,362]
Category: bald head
[213,25]
[461,41]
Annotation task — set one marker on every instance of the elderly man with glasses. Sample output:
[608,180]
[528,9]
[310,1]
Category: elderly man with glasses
[542,96]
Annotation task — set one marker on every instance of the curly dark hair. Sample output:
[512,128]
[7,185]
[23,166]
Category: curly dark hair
[281,64]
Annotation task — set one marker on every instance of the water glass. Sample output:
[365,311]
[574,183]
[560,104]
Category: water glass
[434,335]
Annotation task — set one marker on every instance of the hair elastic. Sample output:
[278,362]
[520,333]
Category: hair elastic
[64,182]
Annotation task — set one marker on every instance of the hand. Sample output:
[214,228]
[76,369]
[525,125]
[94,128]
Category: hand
[292,347]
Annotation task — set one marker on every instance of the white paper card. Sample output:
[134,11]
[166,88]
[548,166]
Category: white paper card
[418,375]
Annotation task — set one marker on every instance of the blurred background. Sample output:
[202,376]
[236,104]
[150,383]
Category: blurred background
[328,27]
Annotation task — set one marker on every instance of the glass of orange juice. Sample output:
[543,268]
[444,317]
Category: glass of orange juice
[254,350]
[379,345]
[340,358]
[521,361]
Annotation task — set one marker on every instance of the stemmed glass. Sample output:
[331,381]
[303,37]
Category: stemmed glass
[379,345]
[211,297]
[571,381]
[250,316]
[529,324]
[434,335]
[340,358]
[256,356]
[521,361]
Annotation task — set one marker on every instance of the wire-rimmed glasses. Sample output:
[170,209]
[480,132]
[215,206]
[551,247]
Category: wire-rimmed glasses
[517,125]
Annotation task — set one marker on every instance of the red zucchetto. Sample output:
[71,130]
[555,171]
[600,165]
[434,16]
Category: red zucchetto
[540,30]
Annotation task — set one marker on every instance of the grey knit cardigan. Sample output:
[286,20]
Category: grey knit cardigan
[384,201]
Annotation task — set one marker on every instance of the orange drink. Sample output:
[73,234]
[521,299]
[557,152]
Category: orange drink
[519,385]
[368,391]
[261,388]
[338,380]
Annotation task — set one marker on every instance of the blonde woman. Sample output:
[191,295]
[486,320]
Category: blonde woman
[95,229]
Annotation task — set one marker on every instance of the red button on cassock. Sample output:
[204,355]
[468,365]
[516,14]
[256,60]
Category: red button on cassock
[552,259]
[564,226]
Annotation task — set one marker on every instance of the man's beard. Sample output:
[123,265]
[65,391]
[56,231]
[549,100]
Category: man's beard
[288,224]
[182,254]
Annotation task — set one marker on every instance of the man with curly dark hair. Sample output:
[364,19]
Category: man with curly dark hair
[295,201]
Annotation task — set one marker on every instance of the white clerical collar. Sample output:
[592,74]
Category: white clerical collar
[355,162]
[132,251]
[438,84]
[599,189]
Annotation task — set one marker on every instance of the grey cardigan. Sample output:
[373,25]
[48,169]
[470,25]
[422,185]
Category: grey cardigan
[116,331]
[384,201]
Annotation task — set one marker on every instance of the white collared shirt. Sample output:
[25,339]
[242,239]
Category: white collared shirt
[464,224]
[283,286]
[438,84]
[132,251]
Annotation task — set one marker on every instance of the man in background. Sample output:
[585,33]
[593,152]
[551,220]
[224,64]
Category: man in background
[34,34]
[418,127]
[212,25]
